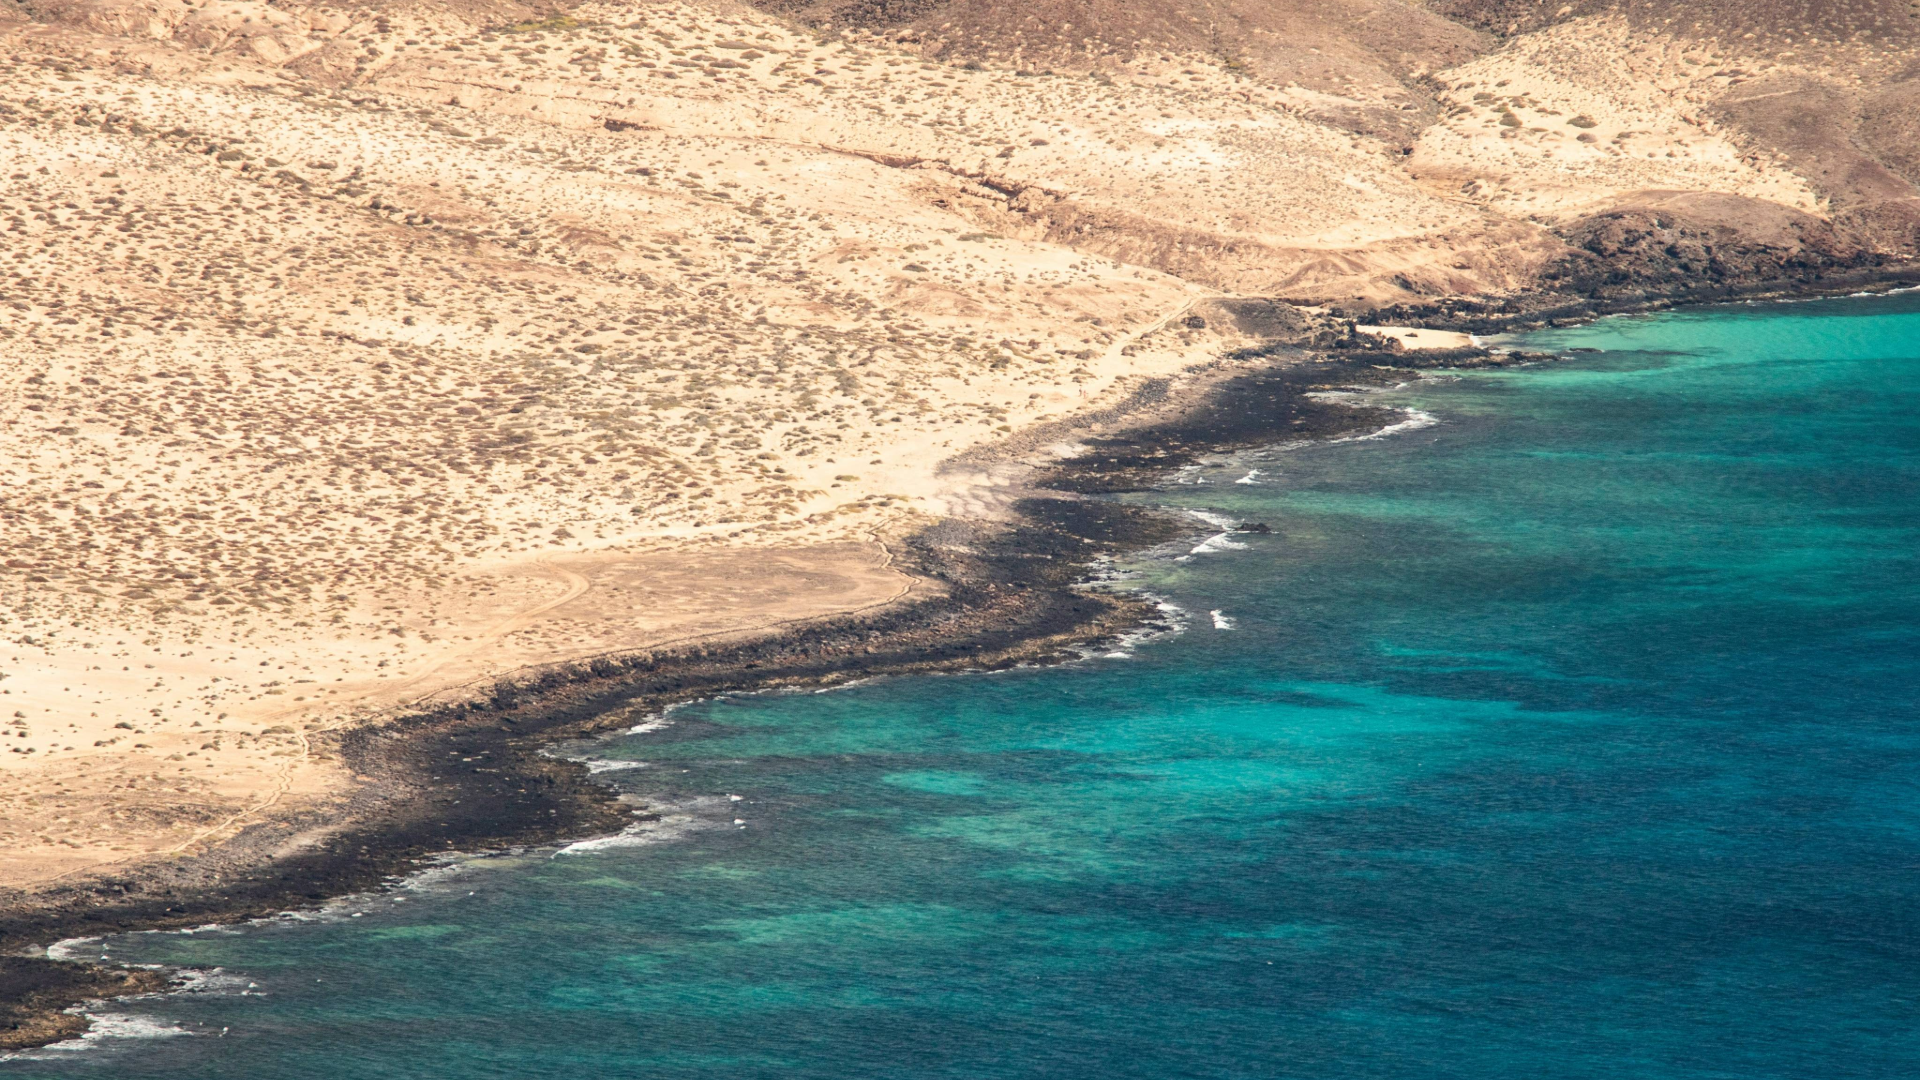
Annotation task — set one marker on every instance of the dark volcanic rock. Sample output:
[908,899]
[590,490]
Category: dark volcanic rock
[34,995]
[1250,410]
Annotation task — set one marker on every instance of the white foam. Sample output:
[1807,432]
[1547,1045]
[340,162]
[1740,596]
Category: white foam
[625,838]
[640,834]
[603,765]
[1175,622]
[1415,420]
[849,684]
[1221,622]
[663,718]
[1252,477]
[423,880]
[1222,542]
[595,766]
[72,948]
[1340,397]
[685,819]
[127,1026]
[105,1026]
[212,981]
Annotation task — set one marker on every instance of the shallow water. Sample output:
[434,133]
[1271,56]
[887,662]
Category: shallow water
[1571,736]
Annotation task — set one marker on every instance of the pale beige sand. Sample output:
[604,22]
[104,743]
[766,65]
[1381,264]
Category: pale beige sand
[1572,118]
[130,748]
[1417,337]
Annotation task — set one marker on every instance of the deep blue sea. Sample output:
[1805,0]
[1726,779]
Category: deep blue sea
[1573,735]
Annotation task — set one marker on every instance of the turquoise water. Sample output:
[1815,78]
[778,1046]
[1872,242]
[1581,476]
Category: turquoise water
[1571,736]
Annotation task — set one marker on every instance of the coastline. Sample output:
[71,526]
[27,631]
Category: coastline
[1006,593]
[1008,596]
[1536,310]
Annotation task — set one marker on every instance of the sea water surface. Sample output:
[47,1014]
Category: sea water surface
[1571,736]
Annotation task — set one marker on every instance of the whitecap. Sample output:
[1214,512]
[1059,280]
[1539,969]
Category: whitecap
[1221,622]
[1252,477]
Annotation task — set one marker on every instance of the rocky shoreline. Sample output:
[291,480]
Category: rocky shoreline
[1634,294]
[472,775]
